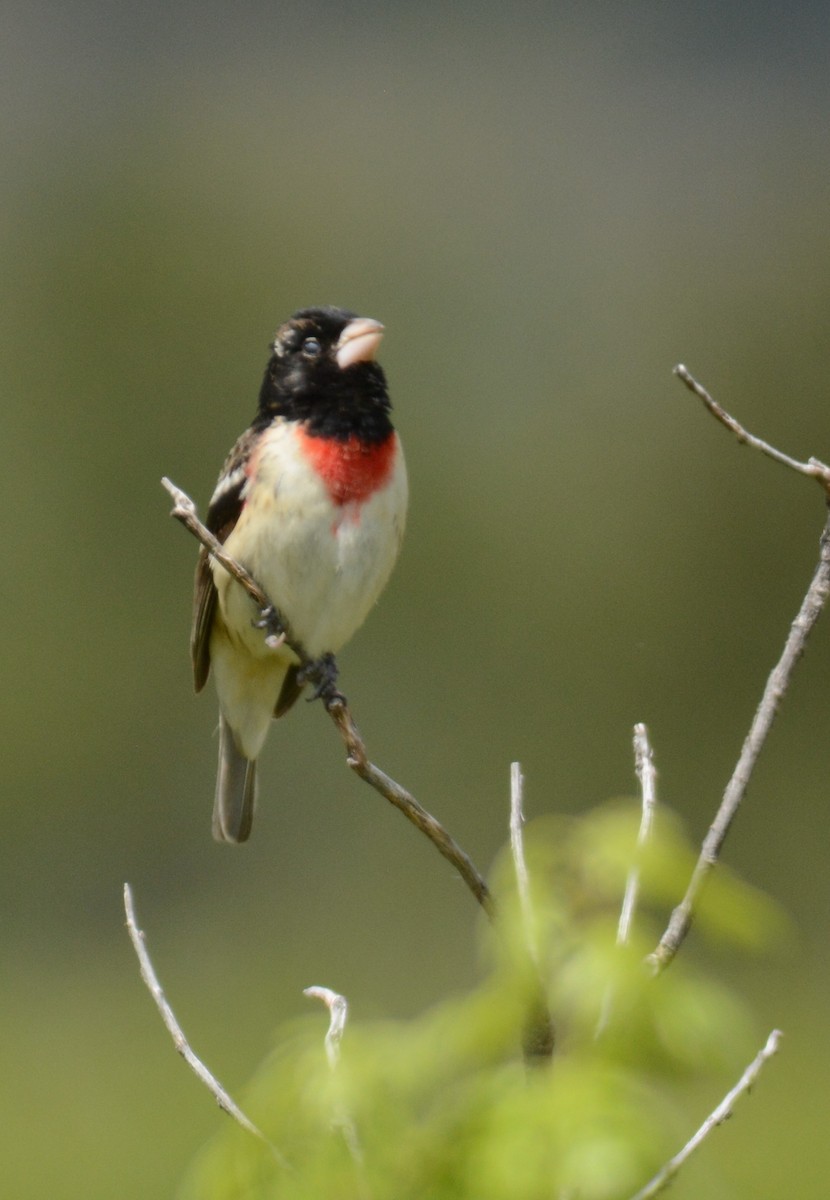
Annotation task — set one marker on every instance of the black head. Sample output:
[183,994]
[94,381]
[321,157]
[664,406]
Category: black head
[322,371]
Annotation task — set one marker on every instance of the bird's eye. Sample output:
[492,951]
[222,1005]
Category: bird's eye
[311,347]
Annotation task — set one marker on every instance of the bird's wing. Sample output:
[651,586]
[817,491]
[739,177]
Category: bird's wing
[223,512]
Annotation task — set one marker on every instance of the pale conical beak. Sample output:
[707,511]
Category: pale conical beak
[358,342]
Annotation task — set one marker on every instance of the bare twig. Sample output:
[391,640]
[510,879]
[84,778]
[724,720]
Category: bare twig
[775,690]
[647,775]
[724,1110]
[173,1027]
[405,802]
[519,865]
[538,1034]
[278,630]
[813,467]
[338,1012]
[184,510]
[275,625]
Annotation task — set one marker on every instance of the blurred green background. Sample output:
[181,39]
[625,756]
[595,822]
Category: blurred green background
[548,206]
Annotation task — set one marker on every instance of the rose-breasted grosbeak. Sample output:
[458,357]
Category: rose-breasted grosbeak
[312,501]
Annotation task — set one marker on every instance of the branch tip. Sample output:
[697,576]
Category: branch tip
[814,468]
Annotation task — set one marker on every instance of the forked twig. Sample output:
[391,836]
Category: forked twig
[148,974]
[724,1110]
[278,630]
[776,687]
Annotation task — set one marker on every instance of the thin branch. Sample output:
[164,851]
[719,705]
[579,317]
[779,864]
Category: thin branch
[813,467]
[278,631]
[519,864]
[774,692]
[173,1027]
[321,671]
[724,1110]
[538,1033]
[357,758]
[338,1012]
[647,775]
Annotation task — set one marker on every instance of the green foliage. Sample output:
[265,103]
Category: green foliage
[443,1106]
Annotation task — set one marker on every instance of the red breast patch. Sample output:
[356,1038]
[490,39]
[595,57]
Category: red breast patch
[351,470]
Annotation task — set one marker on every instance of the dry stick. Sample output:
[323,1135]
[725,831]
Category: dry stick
[517,850]
[813,467]
[776,687]
[184,510]
[405,802]
[338,1007]
[724,1110]
[181,1043]
[647,775]
[338,1012]
[278,630]
[538,1034]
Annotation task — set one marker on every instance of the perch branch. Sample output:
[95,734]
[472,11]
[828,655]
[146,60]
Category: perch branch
[724,1110]
[278,630]
[774,692]
[173,1027]
[358,759]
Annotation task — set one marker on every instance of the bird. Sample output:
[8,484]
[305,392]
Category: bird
[312,501]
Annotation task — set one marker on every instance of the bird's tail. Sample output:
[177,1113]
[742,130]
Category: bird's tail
[233,807]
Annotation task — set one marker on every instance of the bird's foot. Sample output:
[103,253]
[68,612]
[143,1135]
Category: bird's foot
[271,622]
[322,672]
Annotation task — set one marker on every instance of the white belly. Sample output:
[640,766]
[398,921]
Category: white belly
[323,565]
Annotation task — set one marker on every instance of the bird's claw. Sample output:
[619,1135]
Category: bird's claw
[267,618]
[271,622]
[323,674]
